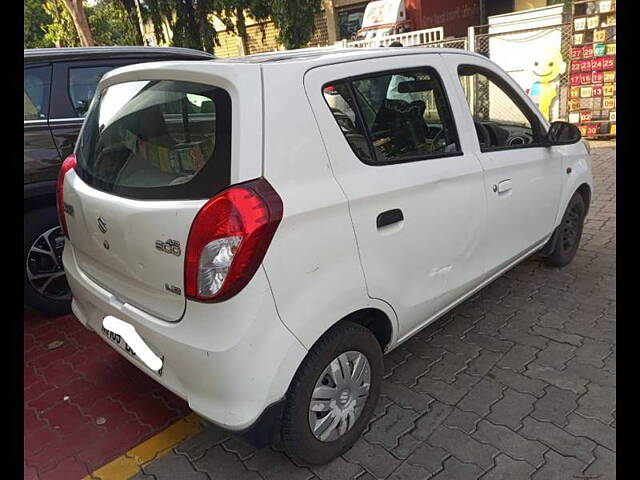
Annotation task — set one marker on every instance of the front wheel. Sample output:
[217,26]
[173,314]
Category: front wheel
[333,395]
[566,238]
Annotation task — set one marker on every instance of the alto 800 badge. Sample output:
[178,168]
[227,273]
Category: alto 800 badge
[171,247]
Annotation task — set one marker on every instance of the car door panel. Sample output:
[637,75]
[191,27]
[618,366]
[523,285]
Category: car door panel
[41,159]
[523,183]
[523,214]
[65,133]
[431,256]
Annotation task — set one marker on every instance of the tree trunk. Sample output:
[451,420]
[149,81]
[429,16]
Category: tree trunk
[76,10]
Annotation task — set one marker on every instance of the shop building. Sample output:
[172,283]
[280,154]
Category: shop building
[592,99]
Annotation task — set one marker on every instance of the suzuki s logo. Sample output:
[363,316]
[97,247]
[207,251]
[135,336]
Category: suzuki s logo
[102,225]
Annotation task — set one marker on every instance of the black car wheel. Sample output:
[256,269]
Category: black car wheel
[45,285]
[332,395]
[566,238]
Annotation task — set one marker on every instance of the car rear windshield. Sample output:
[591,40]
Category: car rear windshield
[157,139]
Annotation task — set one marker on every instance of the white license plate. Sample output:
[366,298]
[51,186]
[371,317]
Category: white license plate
[120,342]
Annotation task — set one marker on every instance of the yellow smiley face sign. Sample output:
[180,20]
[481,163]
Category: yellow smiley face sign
[548,66]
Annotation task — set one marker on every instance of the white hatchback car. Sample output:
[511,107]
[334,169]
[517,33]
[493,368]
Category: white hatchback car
[254,233]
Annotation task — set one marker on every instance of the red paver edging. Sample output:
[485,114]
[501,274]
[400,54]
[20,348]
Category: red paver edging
[67,389]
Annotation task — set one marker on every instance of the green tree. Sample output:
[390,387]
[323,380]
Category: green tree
[116,22]
[79,16]
[192,26]
[129,6]
[108,20]
[60,32]
[35,19]
[161,13]
[188,20]
[234,14]
[111,24]
[295,21]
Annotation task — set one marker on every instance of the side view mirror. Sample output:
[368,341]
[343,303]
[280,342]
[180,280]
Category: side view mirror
[563,133]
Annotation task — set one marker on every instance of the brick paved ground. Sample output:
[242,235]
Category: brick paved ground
[84,404]
[516,383]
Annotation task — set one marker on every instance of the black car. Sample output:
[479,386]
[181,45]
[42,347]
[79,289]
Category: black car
[59,84]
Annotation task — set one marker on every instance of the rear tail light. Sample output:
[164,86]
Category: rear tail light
[68,164]
[229,238]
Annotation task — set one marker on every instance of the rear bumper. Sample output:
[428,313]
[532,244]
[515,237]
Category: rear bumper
[231,361]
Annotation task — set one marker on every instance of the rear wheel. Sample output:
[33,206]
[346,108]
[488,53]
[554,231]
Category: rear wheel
[45,285]
[332,395]
[568,234]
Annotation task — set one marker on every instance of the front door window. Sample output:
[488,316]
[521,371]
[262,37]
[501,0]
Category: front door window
[500,119]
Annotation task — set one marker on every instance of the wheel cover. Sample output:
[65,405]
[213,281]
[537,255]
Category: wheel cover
[571,228]
[339,396]
[44,267]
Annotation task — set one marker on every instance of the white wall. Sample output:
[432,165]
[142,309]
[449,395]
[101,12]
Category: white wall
[517,52]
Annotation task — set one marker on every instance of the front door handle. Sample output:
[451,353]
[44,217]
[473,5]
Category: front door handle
[389,217]
[503,186]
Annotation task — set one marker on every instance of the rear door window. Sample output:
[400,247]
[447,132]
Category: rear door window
[402,116]
[340,101]
[37,85]
[157,139]
[82,85]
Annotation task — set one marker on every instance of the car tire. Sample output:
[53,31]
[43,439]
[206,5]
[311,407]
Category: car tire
[344,341]
[41,233]
[566,238]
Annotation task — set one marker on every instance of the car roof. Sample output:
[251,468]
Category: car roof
[293,61]
[327,55]
[96,53]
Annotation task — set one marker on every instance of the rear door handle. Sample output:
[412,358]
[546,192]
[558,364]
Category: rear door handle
[389,217]
[503,186]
